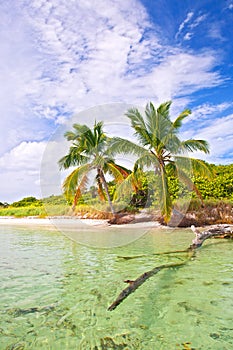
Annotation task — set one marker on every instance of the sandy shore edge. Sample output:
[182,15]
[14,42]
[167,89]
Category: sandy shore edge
[51,222]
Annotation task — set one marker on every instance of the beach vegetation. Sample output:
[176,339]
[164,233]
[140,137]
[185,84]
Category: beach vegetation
[89,152]
[159,148]
[27,201]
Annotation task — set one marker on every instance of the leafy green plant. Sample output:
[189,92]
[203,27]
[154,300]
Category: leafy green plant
[27,201]
[159,147]
[89,151]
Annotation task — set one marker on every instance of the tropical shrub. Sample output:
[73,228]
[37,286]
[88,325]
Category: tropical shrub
[27,201]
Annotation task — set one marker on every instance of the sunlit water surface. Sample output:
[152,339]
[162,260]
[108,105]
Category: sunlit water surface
[55,293]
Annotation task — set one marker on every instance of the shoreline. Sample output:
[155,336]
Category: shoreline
[70,221]
[54,222]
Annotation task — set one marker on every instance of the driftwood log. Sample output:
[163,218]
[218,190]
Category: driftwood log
[218,231]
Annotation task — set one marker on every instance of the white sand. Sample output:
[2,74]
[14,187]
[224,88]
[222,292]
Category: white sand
[53,221]
[94,233]
[9,220]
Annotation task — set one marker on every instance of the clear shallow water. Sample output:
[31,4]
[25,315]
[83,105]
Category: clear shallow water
[55,293]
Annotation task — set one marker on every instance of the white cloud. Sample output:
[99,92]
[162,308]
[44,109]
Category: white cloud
[217,132]
[181,74]
[188,36]
[59,57]
[215,31]
[26,155]
[206,112]
[20,171]
[66,64]
[109,57]
[198,20]
[187,20]
[190,23]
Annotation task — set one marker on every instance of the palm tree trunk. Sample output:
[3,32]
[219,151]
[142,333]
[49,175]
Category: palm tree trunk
[105,185]
[76,197]
[165,198]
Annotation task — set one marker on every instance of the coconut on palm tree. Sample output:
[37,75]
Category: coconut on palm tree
[88,152]
[159,146]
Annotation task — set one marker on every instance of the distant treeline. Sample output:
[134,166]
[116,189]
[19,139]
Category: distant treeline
[219,187]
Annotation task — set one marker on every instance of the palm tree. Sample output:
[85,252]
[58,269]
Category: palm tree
[89,151]
[159,147]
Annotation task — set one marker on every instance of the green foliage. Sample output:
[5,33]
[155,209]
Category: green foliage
[4,205]
[54,200]
[89,151]
[23,211]
[159,145]
[220,187]
[216,192]
[56,210]
[27,201]
[30,206]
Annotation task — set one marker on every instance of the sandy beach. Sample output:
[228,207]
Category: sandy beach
[56,221]
[90,232]
[9,220]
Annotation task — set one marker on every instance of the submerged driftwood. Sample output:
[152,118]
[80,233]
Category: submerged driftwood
[218,231]
[19,311]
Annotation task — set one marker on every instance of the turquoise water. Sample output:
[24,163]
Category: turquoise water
[55,293]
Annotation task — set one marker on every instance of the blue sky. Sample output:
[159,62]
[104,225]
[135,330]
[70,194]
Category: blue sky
[60,57]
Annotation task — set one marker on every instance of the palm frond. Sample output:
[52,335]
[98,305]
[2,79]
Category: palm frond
[118,173]
[124,188]
[70,135]
[151,117]
[139,125]
[183,163]
[178,121]
[99,161]
[119,145]
[189,183]
[193,166]
[99,135]
[147,159]
[77,178]
[200,167]
[73,158]
[79,130]
[124,171]
[81,187]
[170,142]
[136,118]
[196,145]
[164,109]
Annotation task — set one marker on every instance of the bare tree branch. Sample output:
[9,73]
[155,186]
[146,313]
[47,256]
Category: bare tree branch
[219,231]
[133,285]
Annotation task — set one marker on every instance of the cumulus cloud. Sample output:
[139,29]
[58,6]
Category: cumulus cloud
[61,57]
[213,124]
[72,64]
[20,171]
[220,138]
